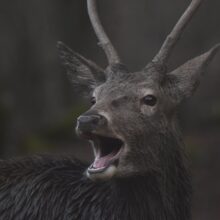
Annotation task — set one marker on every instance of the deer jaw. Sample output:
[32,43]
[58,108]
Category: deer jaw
[108,150]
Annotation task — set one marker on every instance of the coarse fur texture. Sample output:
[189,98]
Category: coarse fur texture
[140,170]
[50,188]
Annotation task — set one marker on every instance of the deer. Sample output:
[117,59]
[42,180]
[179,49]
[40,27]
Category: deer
[140,168]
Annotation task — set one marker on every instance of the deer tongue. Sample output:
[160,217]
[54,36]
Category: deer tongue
[103,162]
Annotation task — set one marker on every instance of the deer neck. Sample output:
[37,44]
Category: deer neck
[153,197]
[164,194]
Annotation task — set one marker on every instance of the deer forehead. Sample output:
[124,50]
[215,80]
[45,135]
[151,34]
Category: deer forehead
[129,89]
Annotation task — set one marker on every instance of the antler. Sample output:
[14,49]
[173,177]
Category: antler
[106,44]
[163,55]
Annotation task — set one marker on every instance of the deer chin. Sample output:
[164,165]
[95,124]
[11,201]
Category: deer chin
[107,152]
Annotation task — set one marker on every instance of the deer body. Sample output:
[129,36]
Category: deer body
[46,187]
[139,171]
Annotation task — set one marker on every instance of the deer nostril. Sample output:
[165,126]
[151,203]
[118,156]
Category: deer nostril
[88,123]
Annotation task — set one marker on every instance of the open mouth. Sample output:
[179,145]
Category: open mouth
[107,152]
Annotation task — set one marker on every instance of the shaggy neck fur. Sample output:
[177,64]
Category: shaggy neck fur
[147,197]
[46,187]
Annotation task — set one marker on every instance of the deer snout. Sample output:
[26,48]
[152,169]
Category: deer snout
[89,123]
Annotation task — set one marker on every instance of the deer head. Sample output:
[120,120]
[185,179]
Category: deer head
[131,124]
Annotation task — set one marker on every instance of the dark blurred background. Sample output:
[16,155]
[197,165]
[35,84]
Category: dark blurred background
[38,105]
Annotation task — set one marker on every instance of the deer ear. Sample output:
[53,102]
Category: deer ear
[183,81]
[84,73]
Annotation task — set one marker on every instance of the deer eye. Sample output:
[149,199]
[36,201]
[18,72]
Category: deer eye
[149,100]
[93,100]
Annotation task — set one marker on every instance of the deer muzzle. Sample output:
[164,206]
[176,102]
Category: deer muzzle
[107,147]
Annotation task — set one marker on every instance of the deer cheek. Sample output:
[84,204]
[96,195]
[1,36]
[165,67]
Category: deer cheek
[148,110]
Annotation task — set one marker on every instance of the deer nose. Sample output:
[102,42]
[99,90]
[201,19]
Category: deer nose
[88,123]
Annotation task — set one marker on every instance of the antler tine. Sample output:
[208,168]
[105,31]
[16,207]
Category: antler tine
[170,42]
[106,44]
